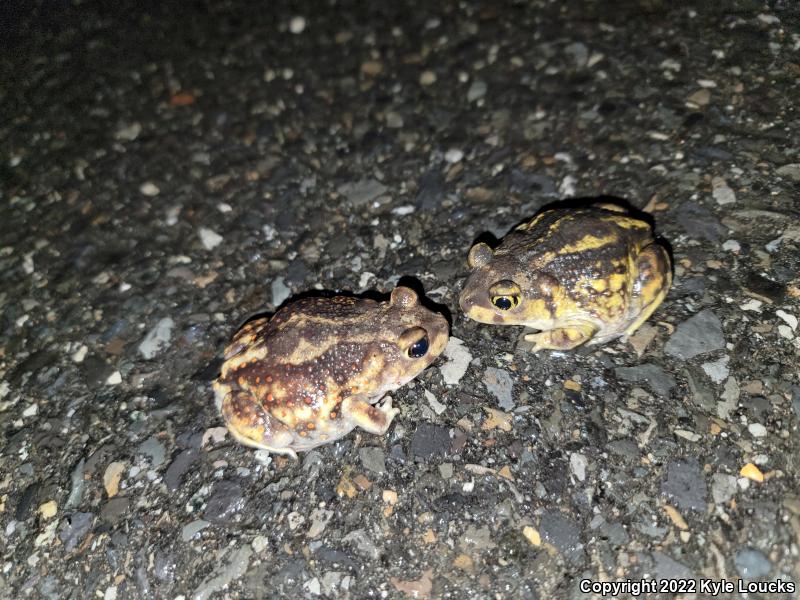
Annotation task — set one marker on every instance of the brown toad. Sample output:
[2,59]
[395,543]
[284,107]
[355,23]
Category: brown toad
[318,368]
[578,275]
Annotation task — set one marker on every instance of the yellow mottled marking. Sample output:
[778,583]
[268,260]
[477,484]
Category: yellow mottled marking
[627,222]
[589,242]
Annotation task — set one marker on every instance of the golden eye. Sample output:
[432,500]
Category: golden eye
[505,302]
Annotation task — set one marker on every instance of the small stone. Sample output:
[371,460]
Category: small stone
[260,543]
[149,188]
[280,291]
[372,68]
[111,478]
[752,564]
[128,132]
[224,574]
[427,78]
[476,91]
[532,535]
[80,354]
[578,463]
[562,532]
[312,586]
[453,156]
[723,487]
[700,334]
[685,485]
[48,509]
[477,538]
[500,384]
[757,430]
[191,529]
[114,510]
[360,193]
[699,99]
[721,192]
[373,459]
[579,54]
[430,440]
[157,338]
[435,405]
[363,544]
[717,370]
[153,448]
[209,238]
[652,375]
[792,171]
[225,503]
[458,359]
[790,319]
[297,25]
[114,379]
[752,472]
[319,521]
[110,593]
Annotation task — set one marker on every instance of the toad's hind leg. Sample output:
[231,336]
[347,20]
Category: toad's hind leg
[372,418]
[251,425]
[563,338]
[652,283]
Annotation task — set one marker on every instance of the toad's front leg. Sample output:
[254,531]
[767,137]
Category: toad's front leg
[562,338]
[370,417]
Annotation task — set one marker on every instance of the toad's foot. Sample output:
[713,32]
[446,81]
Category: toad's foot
[372,418]
[563,338]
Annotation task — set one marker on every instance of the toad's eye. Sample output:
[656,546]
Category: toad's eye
[505,302]
[419,348]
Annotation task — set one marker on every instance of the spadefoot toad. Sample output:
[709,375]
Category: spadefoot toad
[578,275]
[319,367]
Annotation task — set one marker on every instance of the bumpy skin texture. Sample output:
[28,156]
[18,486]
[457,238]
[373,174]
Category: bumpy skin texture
[319,366]
[585,275]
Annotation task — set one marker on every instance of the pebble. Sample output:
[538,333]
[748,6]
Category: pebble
[149,188]
[792,171]
[732,246]
[373,459]
[128,132]
[363,544]
[427,78]
[578,464]
[280,291]
[717,370]
[790,319]
[114,510]
[179,466]
[500,384]
[723,487]
[235,567]
[153,448]
[157,338]
[312,586]
[685,485]
[757,430]
[359,193]
[721,192]
[209,238]
[112,476]
[191,529]
[458,359]
[652,375]
[563,533]
[665,567]
[319,521]
[74,528]
[699,99]
[114,379]
[260,543]
[297,25]
[435,405]
[453,156]
[476,91]
[394,120]
[430,440]
[700,334]
[225,503]
[752,564]
[48,509]
[80,354]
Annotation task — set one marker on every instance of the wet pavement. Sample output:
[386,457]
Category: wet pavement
[166,174]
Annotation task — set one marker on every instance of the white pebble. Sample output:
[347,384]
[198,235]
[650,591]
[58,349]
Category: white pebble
[721,192]
[453,155]
[297,25]
[210,239]
[790,319]
[732,246]
[754,305]
[148,188]
[31,411]
[80,354]
[757,430]
[404,210]
[114,378]
[785,332]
